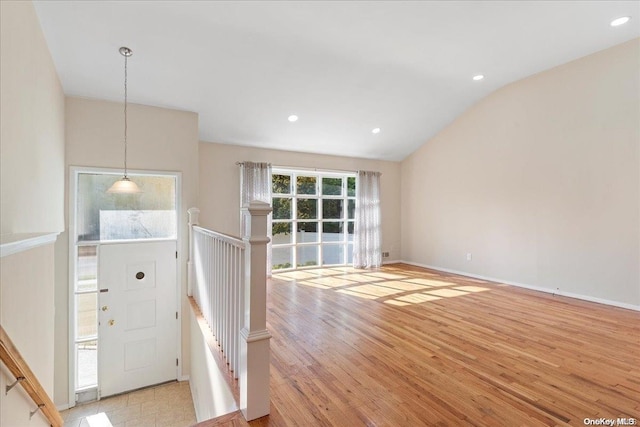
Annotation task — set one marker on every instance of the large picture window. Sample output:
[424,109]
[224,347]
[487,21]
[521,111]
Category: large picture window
[313,218]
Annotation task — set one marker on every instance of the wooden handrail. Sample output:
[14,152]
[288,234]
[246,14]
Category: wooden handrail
[19,368]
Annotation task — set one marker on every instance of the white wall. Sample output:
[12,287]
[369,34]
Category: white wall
[27,277]
[31,198]
[159,139]
[32,131]
[209,390]
[220,184]
[540,181]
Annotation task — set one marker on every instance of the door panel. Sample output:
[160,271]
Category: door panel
[138,325]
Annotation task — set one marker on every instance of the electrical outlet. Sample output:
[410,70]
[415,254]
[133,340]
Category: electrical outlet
[385,254]
[469,256]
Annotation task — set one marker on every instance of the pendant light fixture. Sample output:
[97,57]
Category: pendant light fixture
[125,185]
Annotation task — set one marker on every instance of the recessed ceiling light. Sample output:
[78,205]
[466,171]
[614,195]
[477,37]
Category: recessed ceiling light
[478,77]
[292,118]
[376,130]
[620,21]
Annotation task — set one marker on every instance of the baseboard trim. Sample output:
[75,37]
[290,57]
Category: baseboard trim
[63,407]
[526,286]
[184,378]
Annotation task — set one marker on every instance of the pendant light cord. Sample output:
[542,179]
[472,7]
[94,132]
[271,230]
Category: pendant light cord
[125,115]
[125,185]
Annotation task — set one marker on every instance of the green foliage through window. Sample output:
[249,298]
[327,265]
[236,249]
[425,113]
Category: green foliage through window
[281,184]
[332,186]
[281,208]
[351,186]
[307,209]
[306,185]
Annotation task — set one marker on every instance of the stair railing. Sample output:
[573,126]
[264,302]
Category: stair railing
[227,278]
[19,368]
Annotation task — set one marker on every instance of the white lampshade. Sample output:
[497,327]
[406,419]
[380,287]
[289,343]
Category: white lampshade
[124,186]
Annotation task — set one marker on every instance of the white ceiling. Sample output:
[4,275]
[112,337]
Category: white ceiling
[343,67]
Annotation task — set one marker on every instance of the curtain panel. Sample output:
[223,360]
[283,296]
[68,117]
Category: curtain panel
[367,245]
[255,184]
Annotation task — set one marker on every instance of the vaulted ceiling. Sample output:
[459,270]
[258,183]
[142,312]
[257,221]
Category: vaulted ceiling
[344,68]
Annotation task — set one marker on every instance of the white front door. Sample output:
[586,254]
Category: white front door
[137,315]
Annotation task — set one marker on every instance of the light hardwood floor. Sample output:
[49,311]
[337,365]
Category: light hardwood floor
[405,346]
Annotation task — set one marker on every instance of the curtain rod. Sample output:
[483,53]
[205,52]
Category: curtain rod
[302,168]
[242,163]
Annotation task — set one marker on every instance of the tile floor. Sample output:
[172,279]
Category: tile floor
[166,405]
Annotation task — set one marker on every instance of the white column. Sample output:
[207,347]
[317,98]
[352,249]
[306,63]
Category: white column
[254,337]
[194,214]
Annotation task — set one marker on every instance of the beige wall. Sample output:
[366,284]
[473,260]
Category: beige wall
[540,181]
[220,185]
[160,140]
[27,277]
[32,131]
[209,390]
[31,197]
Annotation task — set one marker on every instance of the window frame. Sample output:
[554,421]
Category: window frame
[321,243]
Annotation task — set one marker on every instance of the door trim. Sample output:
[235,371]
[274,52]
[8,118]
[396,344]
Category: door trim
[72,187]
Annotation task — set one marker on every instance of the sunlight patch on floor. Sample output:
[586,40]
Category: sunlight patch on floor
[97,420]
[357,277]
[387,276]
[313,285]
[357,294]
[447,293]
[376,290]
[430,282]
[384,285]
[297,275]
[417,298]
[343,269]
[471,288]
[395,302]
[403,286]
[332,282]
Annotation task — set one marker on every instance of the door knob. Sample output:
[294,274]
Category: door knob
[112,322]
[105,308]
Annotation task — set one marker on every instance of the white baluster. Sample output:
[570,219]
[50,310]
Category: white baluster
[234,308]
[225,301]
[211,287]
[218,290]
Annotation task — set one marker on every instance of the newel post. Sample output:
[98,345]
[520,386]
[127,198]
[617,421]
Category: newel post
[194,214]
[254,337]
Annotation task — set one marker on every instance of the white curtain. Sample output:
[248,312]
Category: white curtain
[255,184]
[367,251]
